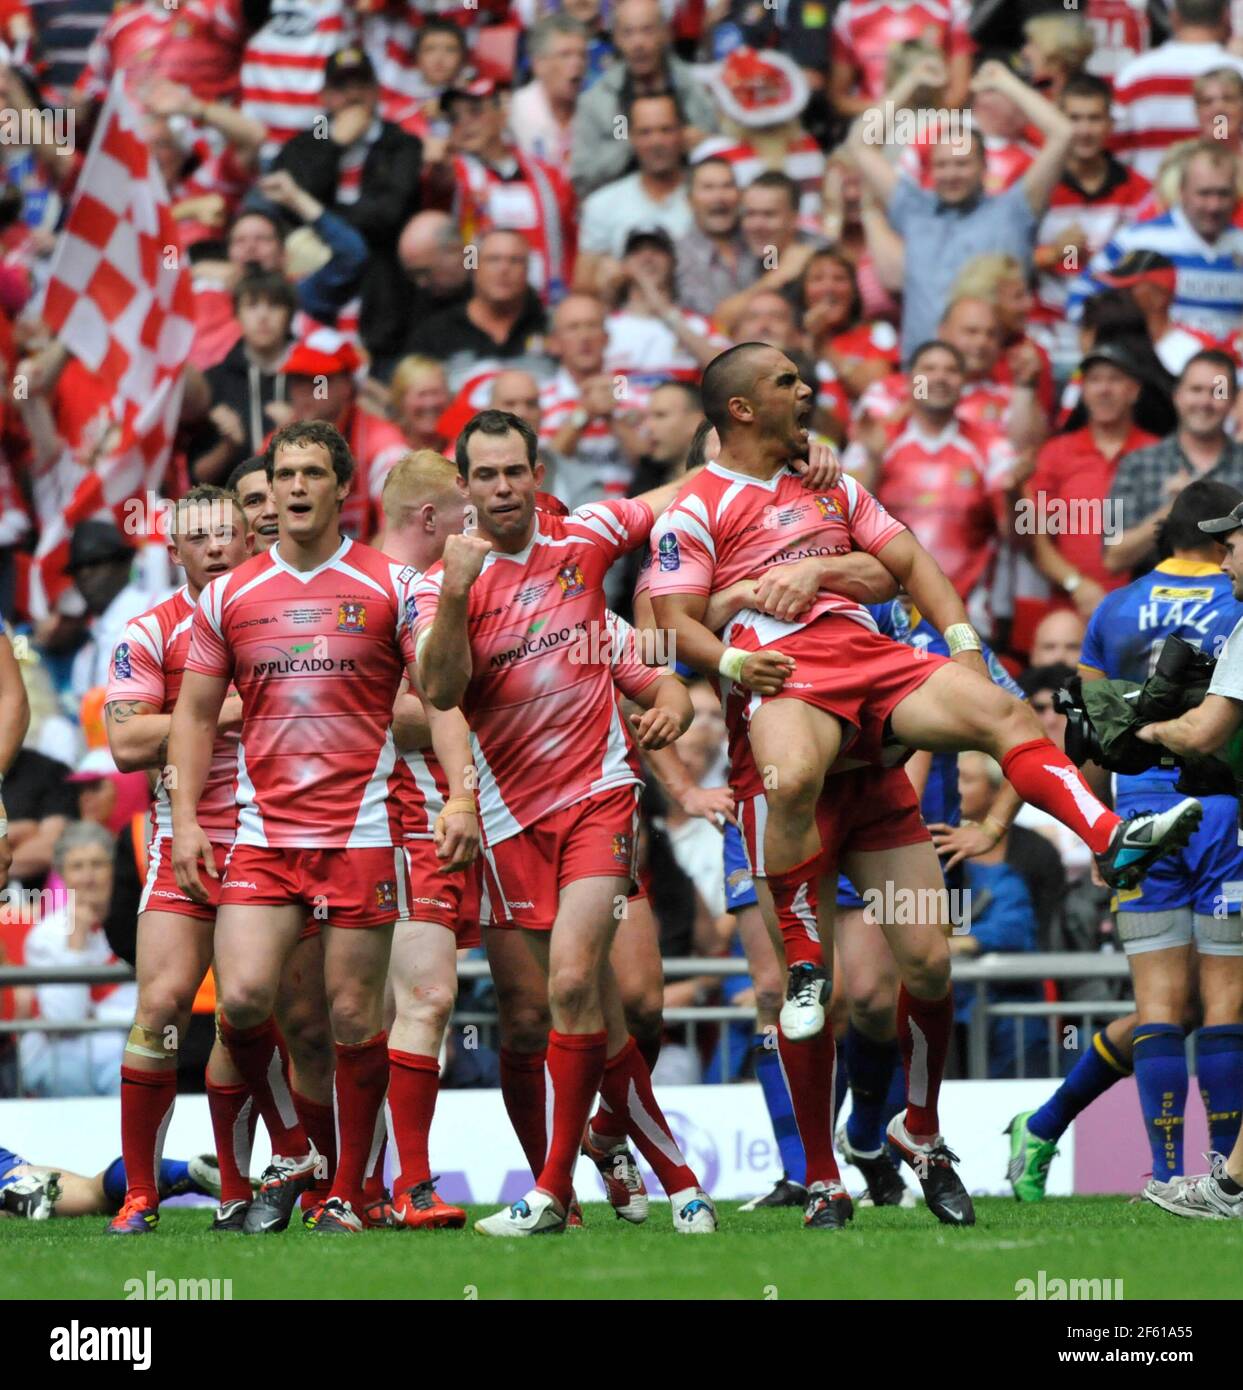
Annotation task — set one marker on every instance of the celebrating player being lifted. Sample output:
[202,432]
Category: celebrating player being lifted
[315,636]
[814,679]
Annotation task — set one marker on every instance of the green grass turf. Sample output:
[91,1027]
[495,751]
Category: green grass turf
[887,1253]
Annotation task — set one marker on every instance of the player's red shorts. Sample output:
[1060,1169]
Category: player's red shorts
[870,808]
[523,875]
[853,673]
[160,892]
[361,887]
[452,900]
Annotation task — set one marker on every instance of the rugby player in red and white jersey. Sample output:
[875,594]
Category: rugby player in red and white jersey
[317,826]
[825,681]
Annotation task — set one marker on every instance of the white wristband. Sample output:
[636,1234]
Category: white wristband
[962,637]
[730,664]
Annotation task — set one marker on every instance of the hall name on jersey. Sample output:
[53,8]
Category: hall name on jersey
[1183,611]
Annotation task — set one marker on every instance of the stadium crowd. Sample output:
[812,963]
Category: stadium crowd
[1002,245]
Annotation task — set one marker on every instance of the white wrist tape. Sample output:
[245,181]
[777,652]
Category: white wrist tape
[731,662]
[962,637]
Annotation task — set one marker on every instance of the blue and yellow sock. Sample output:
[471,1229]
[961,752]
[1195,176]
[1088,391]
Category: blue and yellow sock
[767,1064]
[1091,1076]
[1160,1053]
[870,1067]
[1219,1071]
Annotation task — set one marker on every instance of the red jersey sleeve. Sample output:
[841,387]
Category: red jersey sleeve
[630,675]
[871,526]
[423,602]
[209,651]
[137,672]
[615,526]
[683,554]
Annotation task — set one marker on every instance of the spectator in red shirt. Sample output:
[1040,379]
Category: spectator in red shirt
[858,351]
[1001,281]
[1065,512]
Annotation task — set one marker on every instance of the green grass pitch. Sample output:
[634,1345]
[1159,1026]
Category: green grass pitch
[885,1254]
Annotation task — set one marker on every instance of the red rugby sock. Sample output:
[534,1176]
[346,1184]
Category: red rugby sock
[575,1069]
[414,1080]
[626,1091]
[650,1048]
[1042,774]
[147,1100]
[795,897]
[321,1127]
[809,1071]
[524,1092]
[362,1075]
[233,1121]
[924,1027]
[262,1058]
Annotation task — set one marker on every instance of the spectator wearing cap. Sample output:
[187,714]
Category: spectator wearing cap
[653,196]
[101,565]
[1065,508]
[714,261]
[1199,237]
[1095,197]
[498,186]
[248,380]
[590,417]
[319,372]
[954,221]
[541,114]
[1151,280]
[651,338]
[1148,481]
[647,68]
[501,320]
[1153,103]
[762,97]
[367,171]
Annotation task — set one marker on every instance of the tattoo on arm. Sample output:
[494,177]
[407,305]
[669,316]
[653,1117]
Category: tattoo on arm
[120,710]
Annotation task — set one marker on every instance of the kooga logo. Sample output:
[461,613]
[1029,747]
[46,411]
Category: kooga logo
[78,1343]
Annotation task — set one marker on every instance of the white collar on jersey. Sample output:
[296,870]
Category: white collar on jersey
[305,576]
[519,557]
[185,593]
[768,484]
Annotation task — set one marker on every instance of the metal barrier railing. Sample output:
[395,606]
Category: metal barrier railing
[980,973]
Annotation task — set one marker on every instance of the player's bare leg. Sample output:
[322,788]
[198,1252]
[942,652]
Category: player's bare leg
[794,744]
[252,946]
[958,709]
[302,1015]
[356,962]
[925,1010]
[635,955]
[868,978]
[423,974]
[37,1191]
[173,953]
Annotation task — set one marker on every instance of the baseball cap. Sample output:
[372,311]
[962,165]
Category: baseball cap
[1220,524]
[324,352]
[478,90]
[1137,266]
[1116,355]
[348,65]
[95,542]
[648,236]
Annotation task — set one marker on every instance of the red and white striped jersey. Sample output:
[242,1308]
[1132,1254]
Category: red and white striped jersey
[726,526]
[804,163]
[317,657]
[541,703]
[389,39]
[866,32]
[1099,214]
[530,197]
[950,490]
[1153,105]
[148,664]
[283,63]
[1121,30]
[867,342]
[195,42]
[646,351]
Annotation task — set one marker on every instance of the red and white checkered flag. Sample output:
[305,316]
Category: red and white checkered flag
[120,299]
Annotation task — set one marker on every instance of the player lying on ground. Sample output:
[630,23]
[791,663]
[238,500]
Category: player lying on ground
[813,678]
[207,538]
[36,1190]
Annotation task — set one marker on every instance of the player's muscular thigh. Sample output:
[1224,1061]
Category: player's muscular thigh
[956,709]
[793,745]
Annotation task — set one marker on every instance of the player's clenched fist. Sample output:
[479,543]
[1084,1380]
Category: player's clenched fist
[189,847]
[656,728]
[767,672]
[463,559]
[786,591]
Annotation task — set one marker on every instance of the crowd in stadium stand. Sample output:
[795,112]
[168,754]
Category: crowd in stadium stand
[395,213]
